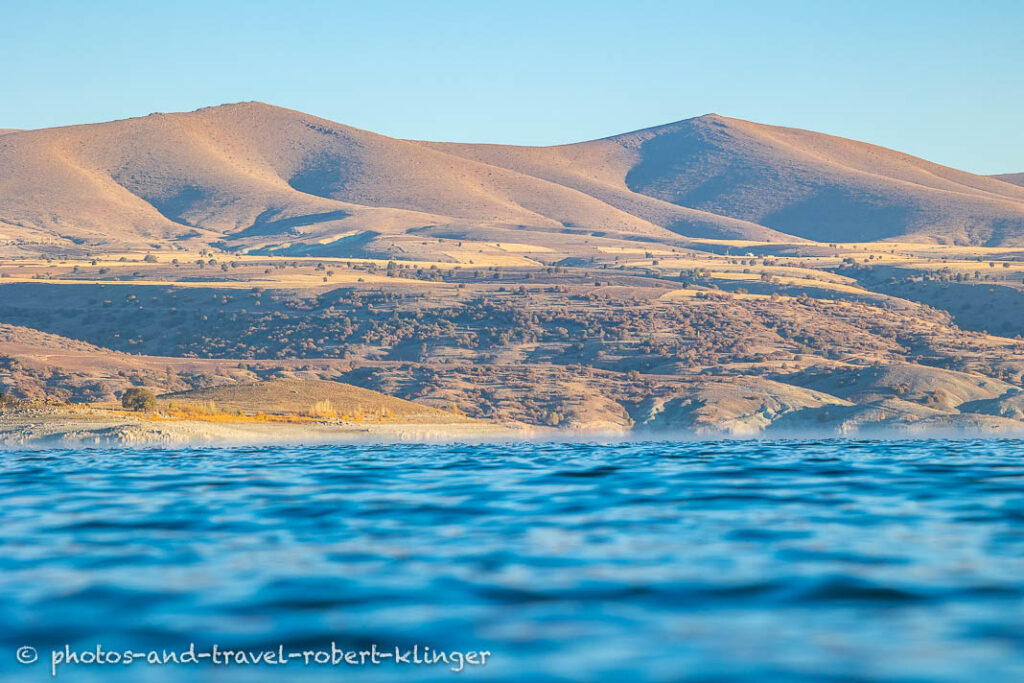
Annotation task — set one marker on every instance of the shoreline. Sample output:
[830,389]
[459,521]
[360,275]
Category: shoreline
[41,429]
[63,428]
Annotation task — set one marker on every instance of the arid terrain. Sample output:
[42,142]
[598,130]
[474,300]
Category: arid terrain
[707,276]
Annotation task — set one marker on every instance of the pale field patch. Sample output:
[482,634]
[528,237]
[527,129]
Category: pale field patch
[820,284]
[735,271]
[794,281]
[285,282]
[469,259]
[516,247]
[693,293]
[633,250]
[747,243]
[186,259]
[330,239]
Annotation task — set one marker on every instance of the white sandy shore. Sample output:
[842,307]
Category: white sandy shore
[73,429]
[60,428]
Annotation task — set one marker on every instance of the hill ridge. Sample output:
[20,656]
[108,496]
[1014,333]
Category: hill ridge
[200,177]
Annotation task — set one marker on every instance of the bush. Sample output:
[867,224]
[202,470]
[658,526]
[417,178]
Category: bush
[322,409]
[138,399]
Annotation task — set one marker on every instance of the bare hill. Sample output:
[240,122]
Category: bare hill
[739,407]
[251,176]
[793,181]
[252,170]
[933,387]
[286,396]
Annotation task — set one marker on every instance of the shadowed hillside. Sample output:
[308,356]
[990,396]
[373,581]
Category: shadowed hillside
[1015,178]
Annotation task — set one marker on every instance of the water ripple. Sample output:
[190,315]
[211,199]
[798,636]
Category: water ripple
[730,560]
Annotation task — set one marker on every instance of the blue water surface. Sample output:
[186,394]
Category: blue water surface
[728,560]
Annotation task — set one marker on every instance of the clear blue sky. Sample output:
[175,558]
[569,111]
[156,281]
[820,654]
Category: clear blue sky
[938,79]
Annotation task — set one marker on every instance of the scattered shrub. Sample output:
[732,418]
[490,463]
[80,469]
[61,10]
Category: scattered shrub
[138,399]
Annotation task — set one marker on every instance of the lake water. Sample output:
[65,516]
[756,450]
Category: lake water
[728,560]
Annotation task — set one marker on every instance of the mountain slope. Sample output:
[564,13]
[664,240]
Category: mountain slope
[248,176]
[292,396]
[798,182]
[252,167]
[1015,178]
